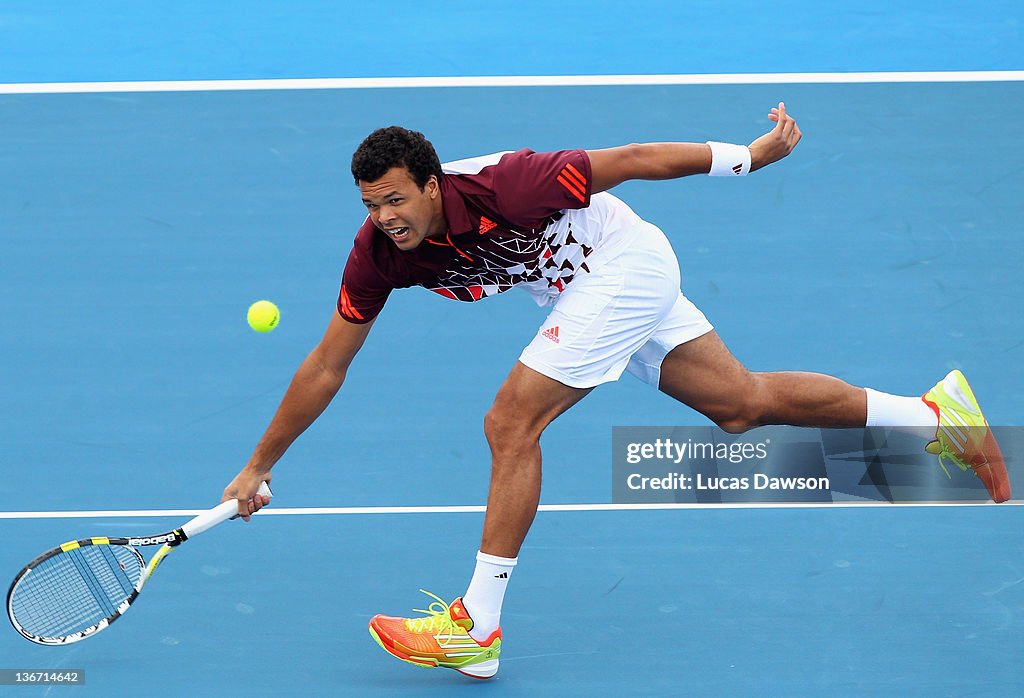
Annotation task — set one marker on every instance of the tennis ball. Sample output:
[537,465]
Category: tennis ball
[263,316]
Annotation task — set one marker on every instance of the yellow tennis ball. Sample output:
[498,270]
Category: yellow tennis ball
[263,316]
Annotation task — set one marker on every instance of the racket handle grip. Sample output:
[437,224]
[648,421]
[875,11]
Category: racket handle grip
[219,514]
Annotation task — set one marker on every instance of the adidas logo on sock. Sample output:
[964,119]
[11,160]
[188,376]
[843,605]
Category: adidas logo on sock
[503,575]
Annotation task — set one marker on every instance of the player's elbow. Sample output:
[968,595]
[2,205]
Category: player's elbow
[327,371]
[646,161]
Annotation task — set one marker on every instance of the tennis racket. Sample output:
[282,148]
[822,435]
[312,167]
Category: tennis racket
[79,588]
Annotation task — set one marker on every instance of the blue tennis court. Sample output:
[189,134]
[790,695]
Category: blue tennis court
[137,226]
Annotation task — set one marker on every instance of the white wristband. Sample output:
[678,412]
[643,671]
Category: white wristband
[729,160]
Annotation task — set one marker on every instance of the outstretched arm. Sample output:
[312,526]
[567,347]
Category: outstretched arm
[315,384]
[613,166]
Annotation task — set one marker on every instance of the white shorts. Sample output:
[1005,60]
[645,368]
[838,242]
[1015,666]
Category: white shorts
[627,315]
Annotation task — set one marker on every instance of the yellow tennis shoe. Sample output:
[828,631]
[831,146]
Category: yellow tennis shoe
[964,436]
[439,639]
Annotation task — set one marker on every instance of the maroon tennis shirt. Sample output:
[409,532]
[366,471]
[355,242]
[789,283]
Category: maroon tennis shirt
[503,213]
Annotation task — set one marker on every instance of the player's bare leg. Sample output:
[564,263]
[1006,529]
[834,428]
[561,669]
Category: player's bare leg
[469,628]
[704,374]
[525,405]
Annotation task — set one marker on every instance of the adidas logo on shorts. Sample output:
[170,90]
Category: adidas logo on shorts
[551,333]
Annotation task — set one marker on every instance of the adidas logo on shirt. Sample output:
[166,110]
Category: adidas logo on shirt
[551,333]
[486,225]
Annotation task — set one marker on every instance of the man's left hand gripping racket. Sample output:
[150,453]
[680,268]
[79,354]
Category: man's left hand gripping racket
[77,589]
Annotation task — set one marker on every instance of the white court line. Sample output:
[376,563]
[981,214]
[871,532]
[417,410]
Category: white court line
[475,509]
[513,81]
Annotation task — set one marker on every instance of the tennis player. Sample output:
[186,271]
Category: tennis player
[545,222]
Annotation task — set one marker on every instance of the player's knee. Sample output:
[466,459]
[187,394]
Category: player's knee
[502,429]
[746,413]
[736,425]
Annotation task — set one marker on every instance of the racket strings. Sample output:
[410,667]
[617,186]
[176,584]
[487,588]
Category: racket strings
[76,589]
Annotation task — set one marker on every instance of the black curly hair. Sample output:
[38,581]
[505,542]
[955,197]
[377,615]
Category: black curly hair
[395,146]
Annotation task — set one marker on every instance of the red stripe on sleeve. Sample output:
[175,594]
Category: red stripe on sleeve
[346,306]
[572,187]
[573,171]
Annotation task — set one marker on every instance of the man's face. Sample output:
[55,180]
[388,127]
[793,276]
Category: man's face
[399,208]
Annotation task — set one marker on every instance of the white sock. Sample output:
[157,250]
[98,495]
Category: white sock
[486,593]
[907,414]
